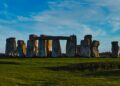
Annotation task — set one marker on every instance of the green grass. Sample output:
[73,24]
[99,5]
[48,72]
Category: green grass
[37,72]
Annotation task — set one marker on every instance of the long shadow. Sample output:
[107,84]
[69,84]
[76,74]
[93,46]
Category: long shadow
[109,73]
[90,66]
[91,69]
[7,62]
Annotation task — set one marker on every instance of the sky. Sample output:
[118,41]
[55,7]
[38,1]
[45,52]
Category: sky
[101,18]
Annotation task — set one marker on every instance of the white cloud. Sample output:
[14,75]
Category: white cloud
[95,33]
[6,32]
[2,21]
[66,17]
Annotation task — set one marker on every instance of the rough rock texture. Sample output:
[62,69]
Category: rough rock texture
[85,48]
[56,49]
[115,49]
[94,49]
[78,50]
[88,38]
[71,46]
[32,46]
[28,49]
[21,48]
[11,48]
[42,47]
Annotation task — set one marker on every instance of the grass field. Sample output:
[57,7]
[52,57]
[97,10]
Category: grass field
[38,72]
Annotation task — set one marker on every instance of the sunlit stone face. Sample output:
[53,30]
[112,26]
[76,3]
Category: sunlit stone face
[21,48]
[49,45]
[94,48]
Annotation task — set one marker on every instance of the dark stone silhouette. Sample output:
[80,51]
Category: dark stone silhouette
[85,47]
[56,49]
[32,46]
[115,49]
[71,46]
[11,48]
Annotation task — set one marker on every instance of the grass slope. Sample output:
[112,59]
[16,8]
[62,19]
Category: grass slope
[36,72]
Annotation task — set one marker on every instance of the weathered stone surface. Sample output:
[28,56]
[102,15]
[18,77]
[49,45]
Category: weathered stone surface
[32,46]
[42,47]
[71,46]
[56,49]
[78,50]
[115,49]
[21,49]
[85,48]
[88,39]
[28,49]
[11,48]
[94,49]
[50,46]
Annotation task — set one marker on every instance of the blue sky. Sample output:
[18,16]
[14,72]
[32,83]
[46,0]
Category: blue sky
[101,18]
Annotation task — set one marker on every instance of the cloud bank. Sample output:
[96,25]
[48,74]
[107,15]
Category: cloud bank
[65,17]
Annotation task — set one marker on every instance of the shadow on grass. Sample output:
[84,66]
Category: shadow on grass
[109,73]
[7,62]
[90,66]
[91,69]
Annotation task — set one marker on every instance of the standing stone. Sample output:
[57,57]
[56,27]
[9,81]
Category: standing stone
[42,47]
[56,49]
[71,46]
[94,49]
[21,49]
[11,47]
[78,50]
[28,49]
[88,38]
[32,46]
[115,49]
[85,48]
